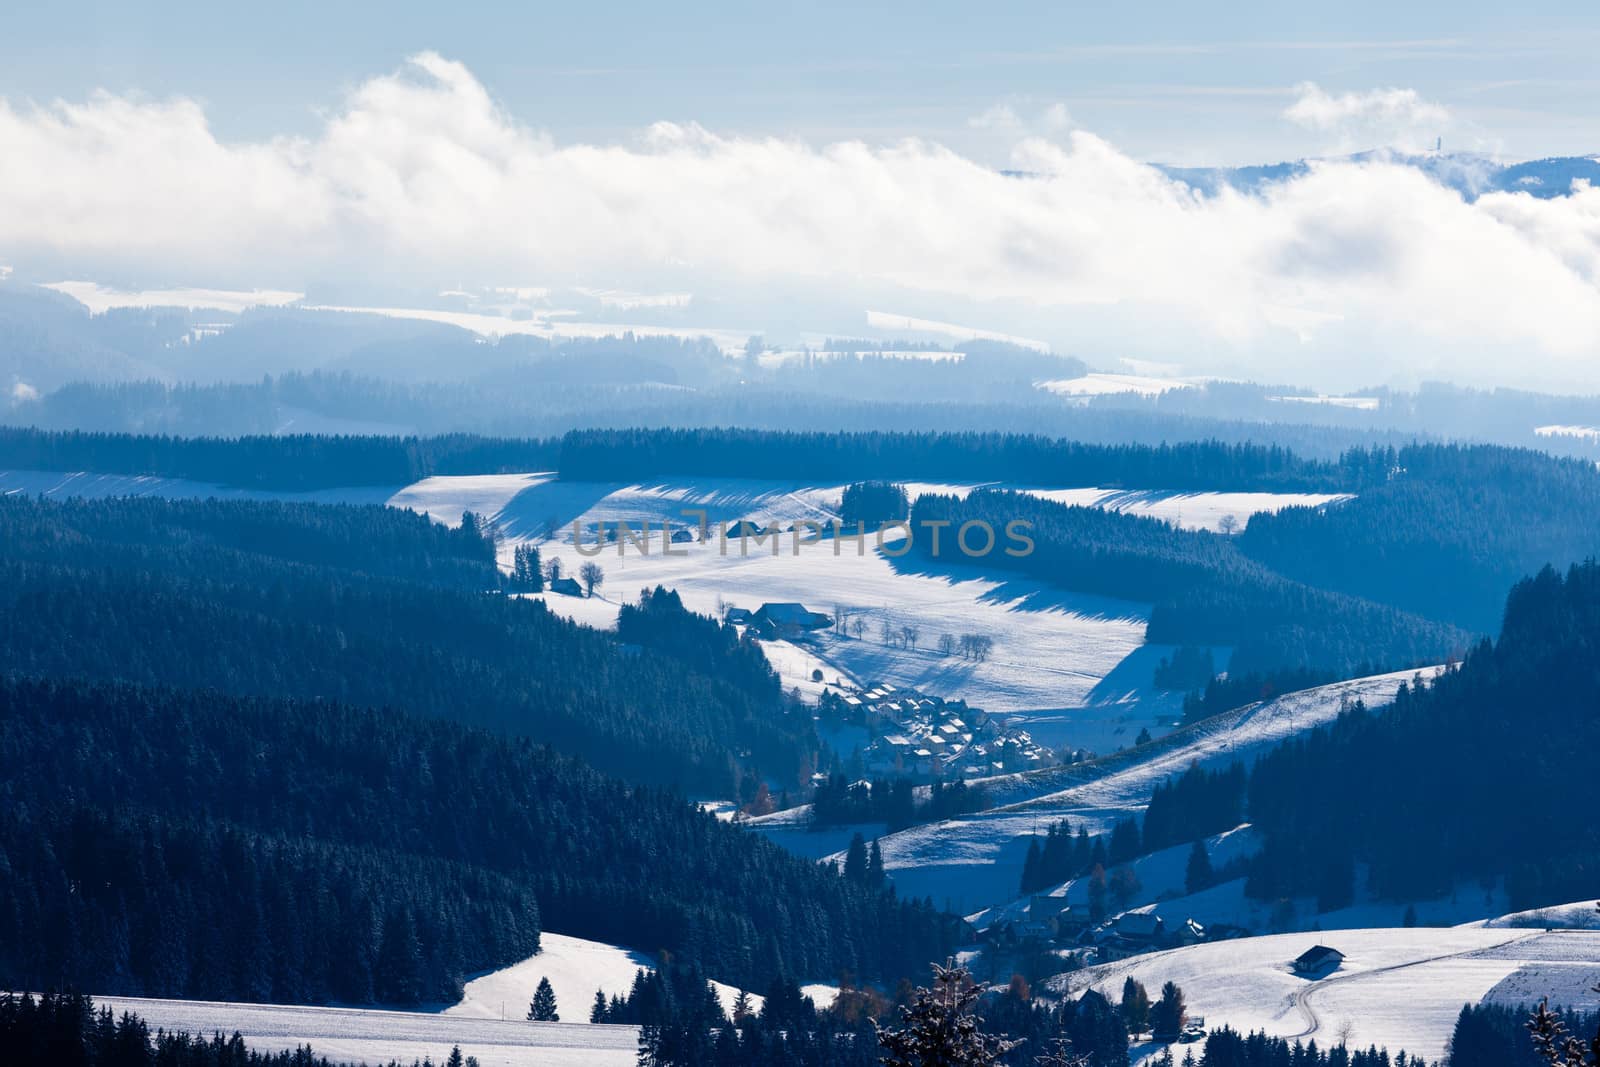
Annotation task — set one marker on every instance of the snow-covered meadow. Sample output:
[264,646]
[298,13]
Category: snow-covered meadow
[576,968]
[372,1036]
[1399,988]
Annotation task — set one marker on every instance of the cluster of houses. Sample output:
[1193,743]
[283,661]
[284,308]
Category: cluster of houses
[927,736]
[1052,918]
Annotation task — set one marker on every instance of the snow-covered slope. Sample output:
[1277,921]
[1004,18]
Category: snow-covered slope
[576,968]
[976,861]
[370,1036]
[1400,988]
[1581,915]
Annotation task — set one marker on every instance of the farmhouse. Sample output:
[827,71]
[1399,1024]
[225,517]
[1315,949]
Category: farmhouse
[1317,958]
[788,619]
[1140,926]
[566,587]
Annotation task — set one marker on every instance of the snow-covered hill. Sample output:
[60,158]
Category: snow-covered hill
[1400,988]
[976,861]
[576,968]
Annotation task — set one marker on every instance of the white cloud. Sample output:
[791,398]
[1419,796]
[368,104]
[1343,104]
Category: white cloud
[1398,118]
[22,393]
[1349,275]
[1001,117]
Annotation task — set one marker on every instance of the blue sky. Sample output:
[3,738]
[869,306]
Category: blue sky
[1186,83]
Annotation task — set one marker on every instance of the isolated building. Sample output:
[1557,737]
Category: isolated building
[1317,958]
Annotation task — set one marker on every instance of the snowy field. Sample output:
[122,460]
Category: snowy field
[1399,988]
[975,861]
[1077,664]
[488,1022]
[1096,384]
[371,1036]
[1354,403]
[576,968]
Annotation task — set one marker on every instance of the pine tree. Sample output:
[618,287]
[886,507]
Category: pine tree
[741,1009]
[876,875]
[1168,1013]
[1135,1007]
[939,1027]
[1198,875]
[597,1014]
[1030,867]
[542,1009]
[855,860]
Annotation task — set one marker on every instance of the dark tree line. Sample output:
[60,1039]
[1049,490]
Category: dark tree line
[1062,855]
[873,504]
[1234,690]
[371,606]
[1205,591]
[418,817]
[586,387]
[1227,1047]
[610,455]
[1193,805]
[659,621]
[840,800]
[301,461]
[1516,719]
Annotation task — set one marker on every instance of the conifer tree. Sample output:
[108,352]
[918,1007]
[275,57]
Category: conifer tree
[542,1009]
[855,860]
[876,875]
[939,1027]
[1135,1007]
[1198,874]
[1168,1013]
[597,1013]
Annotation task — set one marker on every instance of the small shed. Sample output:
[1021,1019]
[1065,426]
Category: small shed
[1317,958]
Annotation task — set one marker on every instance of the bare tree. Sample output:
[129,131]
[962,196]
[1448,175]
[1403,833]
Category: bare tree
[947,644]
[858,626]
[592,576]
[1228,524]
[885,631]
[910,634]
[552,570]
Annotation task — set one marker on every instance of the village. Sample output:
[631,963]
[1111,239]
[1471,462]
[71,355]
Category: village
[910,733]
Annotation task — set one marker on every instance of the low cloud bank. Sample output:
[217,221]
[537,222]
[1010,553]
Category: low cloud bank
[1349,274]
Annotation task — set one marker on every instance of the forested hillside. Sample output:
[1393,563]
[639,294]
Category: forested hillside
[370,606]
[1204,590]
[222,848]
[632,455]
[1445,534]
[1517,721]
[296,462]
